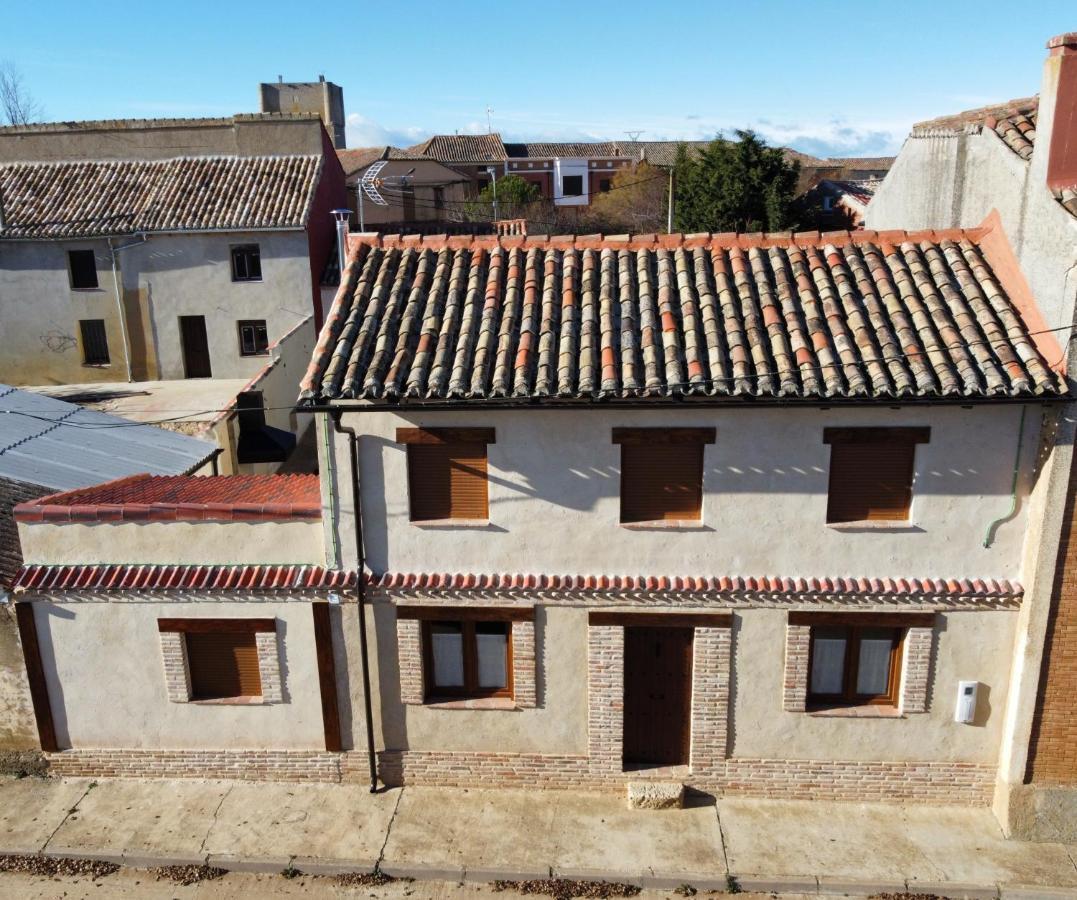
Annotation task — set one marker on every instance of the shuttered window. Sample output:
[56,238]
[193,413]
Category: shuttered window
[871,473]
[447,472]
[662,473]
[223,664]
[94,342]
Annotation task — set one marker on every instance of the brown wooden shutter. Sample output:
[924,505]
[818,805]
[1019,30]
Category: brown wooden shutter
[447,481]
[870,480]
[223,664]
[661,481]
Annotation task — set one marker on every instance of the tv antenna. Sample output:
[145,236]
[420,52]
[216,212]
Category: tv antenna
[368,185]
[634,135]
[489,124]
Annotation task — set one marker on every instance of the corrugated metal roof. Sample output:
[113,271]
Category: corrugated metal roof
[62,446]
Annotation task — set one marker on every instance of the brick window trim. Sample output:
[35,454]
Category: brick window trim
[409,621]
[916,656]
[177,670]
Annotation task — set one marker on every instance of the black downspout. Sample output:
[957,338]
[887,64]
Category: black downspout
[360,592]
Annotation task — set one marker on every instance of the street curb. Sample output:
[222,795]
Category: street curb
[855,887]
[488,874]
[955,890]
[1035,892]
[146,861]
[96,856]
[422,873]
[778,884]
[271,865]
[634,879]
[311,865]
[662,881]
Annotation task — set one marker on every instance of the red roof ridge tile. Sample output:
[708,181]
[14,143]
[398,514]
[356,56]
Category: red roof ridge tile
[178,577]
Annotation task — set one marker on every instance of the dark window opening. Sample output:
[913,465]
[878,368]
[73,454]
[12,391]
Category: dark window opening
[94,342]
[223,664]
[463,659]
[246,263]
[572,185]
[253,339]
[604,185]
[258,441]
[83,265]
[854,666]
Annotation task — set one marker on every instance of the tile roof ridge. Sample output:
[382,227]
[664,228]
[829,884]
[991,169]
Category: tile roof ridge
[51,499]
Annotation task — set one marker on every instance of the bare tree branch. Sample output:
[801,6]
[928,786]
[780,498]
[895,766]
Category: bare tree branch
[17,105]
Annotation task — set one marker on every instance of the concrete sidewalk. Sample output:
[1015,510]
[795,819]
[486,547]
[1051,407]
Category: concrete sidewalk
[476,835]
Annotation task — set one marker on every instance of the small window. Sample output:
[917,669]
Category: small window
[447,472]
[662,473]
[94,342]
[83,266]
[223,664]
[854,666]
[246,263]
[253,340]
[571,185]
[604,185]
[828,204]
[465,659]
[871,473]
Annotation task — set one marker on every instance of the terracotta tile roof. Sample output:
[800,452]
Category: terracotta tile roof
[861,191]
[873,315]
[356,158]
[171,497]
[181,578]
[1014,122]
[704,584]
[87,198]
[463,148]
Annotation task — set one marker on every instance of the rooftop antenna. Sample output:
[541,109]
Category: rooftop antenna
[368,185]
[489,125]
[633,136]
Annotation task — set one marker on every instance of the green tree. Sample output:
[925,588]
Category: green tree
[516,197]
[740,185]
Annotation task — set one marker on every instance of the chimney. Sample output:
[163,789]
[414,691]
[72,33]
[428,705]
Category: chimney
[321,79]
[1062,75]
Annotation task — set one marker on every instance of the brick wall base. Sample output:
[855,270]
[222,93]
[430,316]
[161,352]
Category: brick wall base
[246,765]
[907,782]
[963,784]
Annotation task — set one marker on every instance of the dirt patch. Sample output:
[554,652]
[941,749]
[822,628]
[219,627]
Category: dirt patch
[46,865]
[23,763]
[362,879]
[566,889]
[905,896]
[185,875]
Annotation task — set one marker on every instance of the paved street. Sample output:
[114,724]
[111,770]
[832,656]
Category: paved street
[454,835]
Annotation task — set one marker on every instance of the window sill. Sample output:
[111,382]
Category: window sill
[857,712]
[253,355]
[451,523]
[96,365]
[246,281]
[503,703]
[667,525]
[230,701]
[874,525]
[88,290]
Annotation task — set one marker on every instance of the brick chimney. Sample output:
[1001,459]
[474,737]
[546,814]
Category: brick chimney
[1061,74]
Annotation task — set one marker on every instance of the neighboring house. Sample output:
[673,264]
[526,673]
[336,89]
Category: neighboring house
[418,191]
[47,446]
[835,205]
[149,266]
[320,97]
[1018,162]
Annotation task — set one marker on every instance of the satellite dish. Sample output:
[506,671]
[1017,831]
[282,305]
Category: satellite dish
[369,183]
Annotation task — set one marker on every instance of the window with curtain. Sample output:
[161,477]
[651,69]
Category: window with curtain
[467,659]
[852,665]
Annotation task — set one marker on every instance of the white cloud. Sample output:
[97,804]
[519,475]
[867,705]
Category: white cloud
[363,132]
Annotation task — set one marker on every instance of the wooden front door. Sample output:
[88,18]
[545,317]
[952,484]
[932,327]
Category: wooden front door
[195,347]
[658,696]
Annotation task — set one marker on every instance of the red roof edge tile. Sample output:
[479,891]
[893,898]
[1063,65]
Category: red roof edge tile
[118,577]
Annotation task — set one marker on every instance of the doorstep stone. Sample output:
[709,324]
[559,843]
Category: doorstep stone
[655,795]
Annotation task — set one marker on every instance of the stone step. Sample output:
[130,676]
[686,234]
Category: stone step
[655,795]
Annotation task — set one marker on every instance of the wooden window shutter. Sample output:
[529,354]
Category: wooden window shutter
[870,480]
[447,481]
[223,664]
[661,481]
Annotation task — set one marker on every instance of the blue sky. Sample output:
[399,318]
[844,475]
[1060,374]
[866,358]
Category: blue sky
[837,78]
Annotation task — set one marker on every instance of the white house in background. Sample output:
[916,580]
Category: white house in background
[184,257]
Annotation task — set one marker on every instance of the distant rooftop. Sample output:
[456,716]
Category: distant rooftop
[153,497]
[1014,121]
[139,124]
[59,445]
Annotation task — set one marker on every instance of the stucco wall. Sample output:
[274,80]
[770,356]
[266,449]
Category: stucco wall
[106,682]
[554,497]
[167,277]
[969,646]
[187,543]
